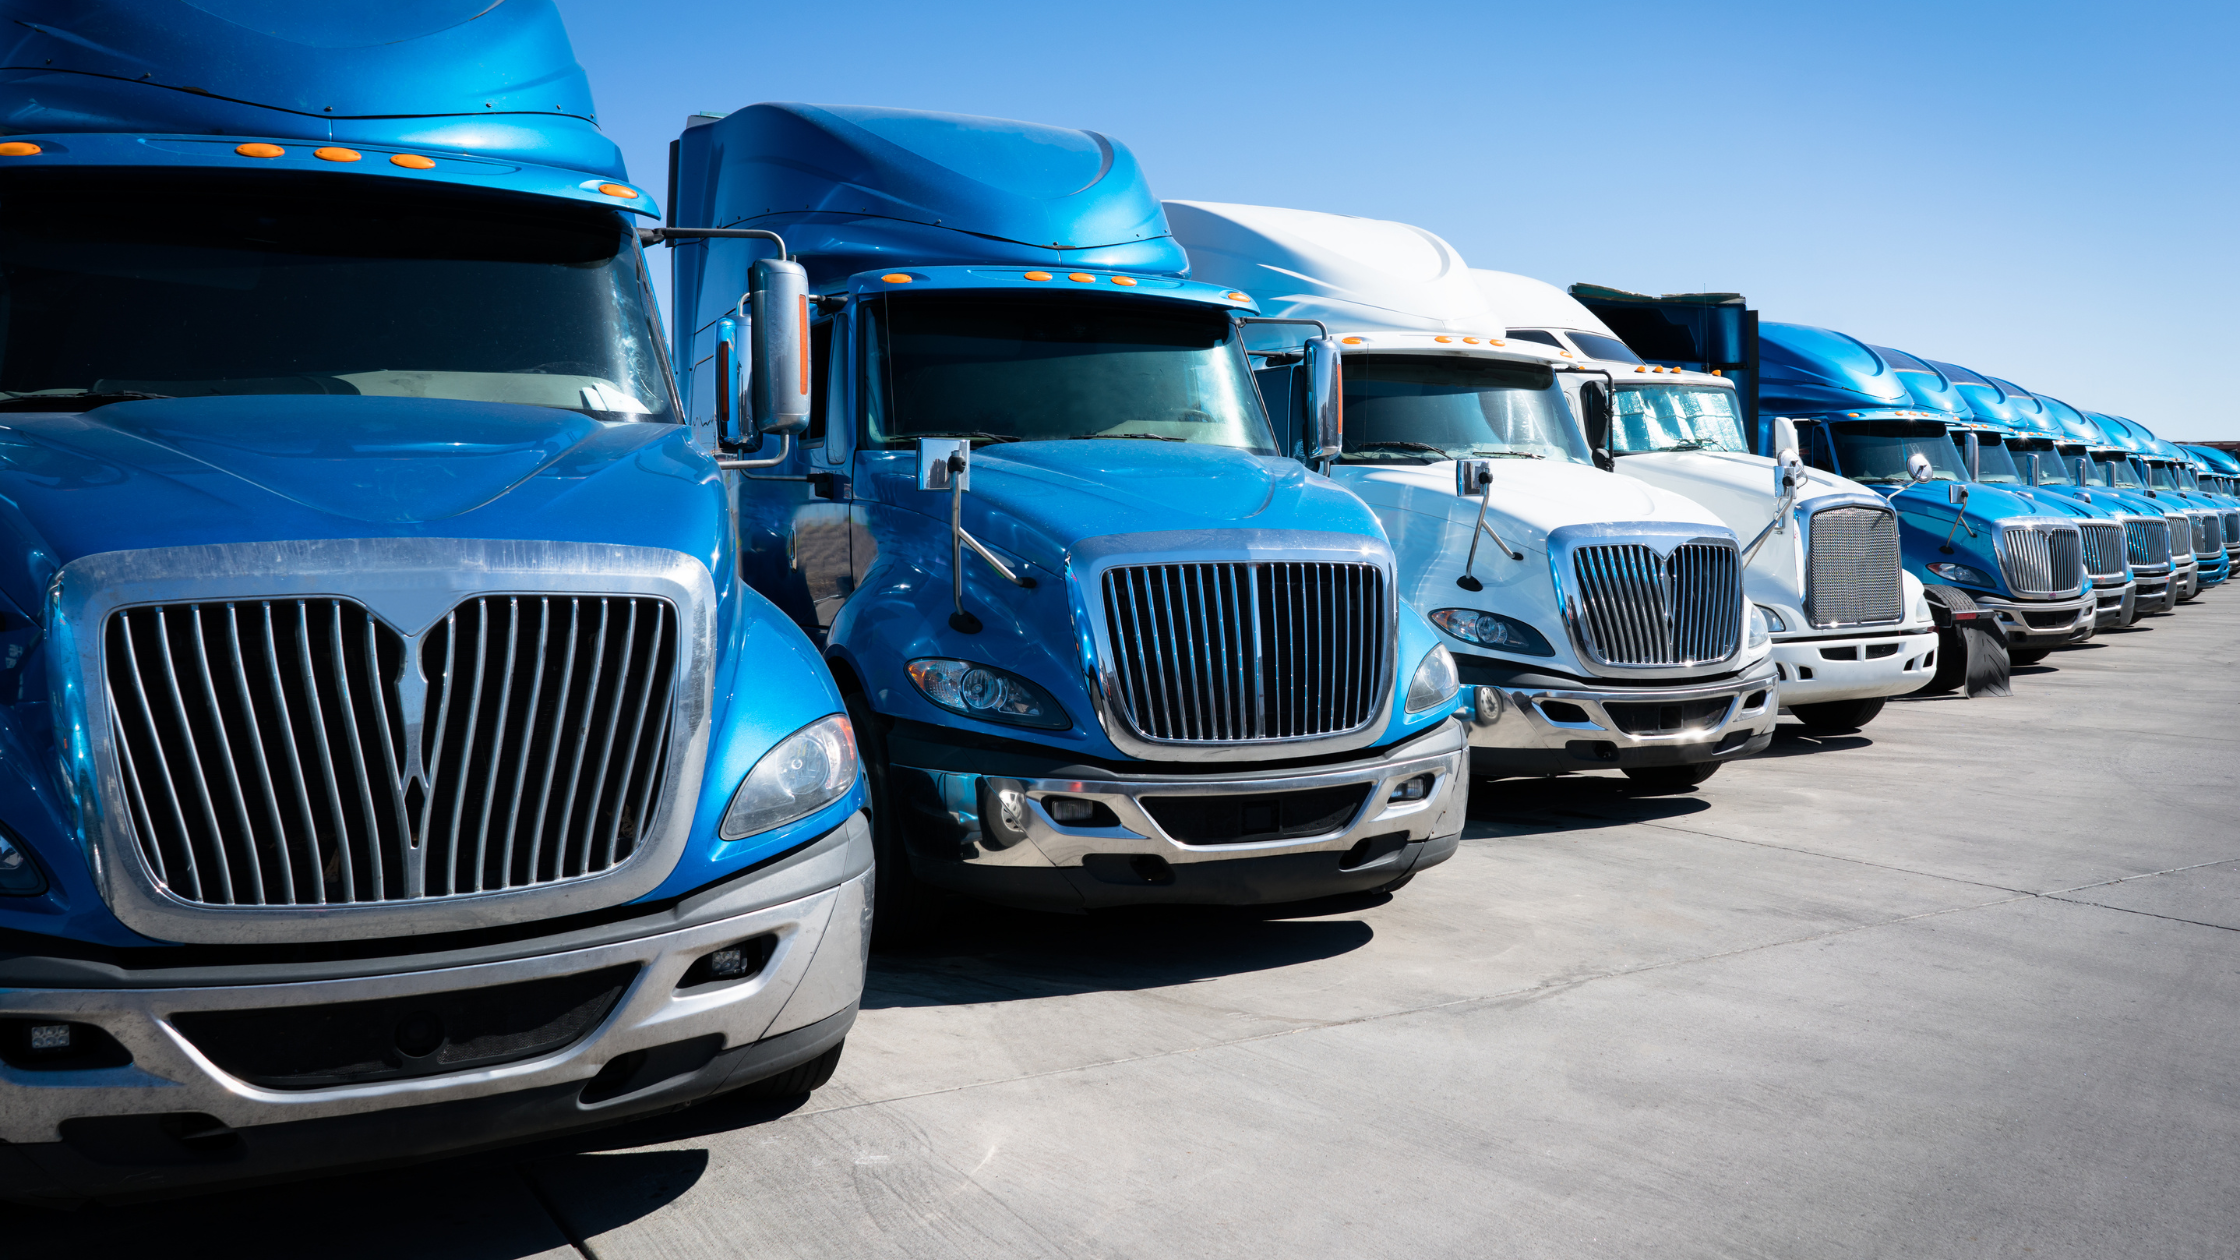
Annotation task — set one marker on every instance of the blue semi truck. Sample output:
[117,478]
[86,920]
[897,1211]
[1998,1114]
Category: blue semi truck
[1105,642]
[392,761]
[2131,450]
[1982,552]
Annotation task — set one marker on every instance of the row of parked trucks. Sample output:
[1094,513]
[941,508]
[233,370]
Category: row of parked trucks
[440,706]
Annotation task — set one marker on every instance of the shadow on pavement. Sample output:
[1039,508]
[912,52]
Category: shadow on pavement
[1572,802]
[1795,740]
[994,954]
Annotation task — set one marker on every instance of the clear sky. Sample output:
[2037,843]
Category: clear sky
[2043,191]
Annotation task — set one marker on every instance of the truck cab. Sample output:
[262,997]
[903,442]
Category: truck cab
[1107,642]
[2129,450]
[2030,463]
[2170,470]
[1850,627]
[1599,621]
[2219,475]
[2148,535]
[392,761]
[2001,553]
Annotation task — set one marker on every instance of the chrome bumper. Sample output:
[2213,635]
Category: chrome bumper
[815,971]
[1511,731]
[2155,592]
[1026,856]
[2116,605]
[2043,623]
[1814,671]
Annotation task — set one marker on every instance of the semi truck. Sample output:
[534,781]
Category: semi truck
[2129,450]
[1106,643]
[2219,475]
[1979,550]
[2156,545]
[2030,463]
[2170,472]
[1850,627]
[392,761]
[1599,621]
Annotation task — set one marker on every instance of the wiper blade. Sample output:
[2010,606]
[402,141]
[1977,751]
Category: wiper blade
[973,436]
[72,400]
[1483,452]
[1400,446]
[1684,446]
[1098,437]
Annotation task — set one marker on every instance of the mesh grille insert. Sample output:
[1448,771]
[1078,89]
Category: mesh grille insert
[1853,577]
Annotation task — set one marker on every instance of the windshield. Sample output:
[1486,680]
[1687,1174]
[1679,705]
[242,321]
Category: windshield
[1597,346]
[2040,463]
[1418,408]
[1876,453]
[187,285]
[2161,477]
[1033,367]
[1675,418]
[2118,471]
[1994,464]
[2186,478]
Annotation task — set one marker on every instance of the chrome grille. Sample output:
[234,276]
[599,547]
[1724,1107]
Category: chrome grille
[272,750]
[2208,536]
[2149,541]
[2231,528]
[1233,652]
[2042,560]
[1636,607]
[1852,574]
[2103,548]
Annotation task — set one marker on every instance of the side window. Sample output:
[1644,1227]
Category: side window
[820,371]
[1818,450]
[1278,390]
[1535,336]
[871,370]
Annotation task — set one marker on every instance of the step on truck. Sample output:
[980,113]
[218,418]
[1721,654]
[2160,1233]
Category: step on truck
[392,761]
[1599,621]
[1850,627]
[1105,642]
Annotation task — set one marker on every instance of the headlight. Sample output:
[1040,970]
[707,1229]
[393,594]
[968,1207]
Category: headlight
[1961,574]
[988,693]
[808,770]
[1921,608]
[1492,630]
[1759,635]
[1774,621]
[1435,682]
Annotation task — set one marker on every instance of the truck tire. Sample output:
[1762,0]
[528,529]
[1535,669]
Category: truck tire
[1672,778]
[798,1081]
[1837,715]
[904,908]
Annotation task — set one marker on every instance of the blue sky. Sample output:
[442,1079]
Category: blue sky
[2045,192]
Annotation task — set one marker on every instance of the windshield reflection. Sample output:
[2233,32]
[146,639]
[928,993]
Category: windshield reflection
[1422,408]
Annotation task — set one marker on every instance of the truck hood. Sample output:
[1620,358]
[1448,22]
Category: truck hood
[170,472]
[1530,497]
[1037,499]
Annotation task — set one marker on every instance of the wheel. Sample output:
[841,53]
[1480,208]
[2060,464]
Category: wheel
[1837,715]
[2028,656]
[904,908]
[798,1081]
[1672,778]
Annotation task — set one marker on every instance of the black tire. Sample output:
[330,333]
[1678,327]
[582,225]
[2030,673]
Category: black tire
[1837,715]
[798,1081]
[2027,656]
[1672,778]
[904,908]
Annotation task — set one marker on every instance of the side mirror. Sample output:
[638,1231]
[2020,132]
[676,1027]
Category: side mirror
[944,464]
[732,403]
[1918,467]
[1472,476]
[1594,408]
[1971,455]
[1957,492]
[1326,399]
[780,335]
[1788,466]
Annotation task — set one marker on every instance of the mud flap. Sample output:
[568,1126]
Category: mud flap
[1971,648]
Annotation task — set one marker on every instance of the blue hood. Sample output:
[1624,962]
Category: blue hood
[1807,369]
[498,79]
[170,472]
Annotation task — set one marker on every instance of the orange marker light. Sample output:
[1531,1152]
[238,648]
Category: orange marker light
[1491,342]
[413,162]
[1469,341]
[18,148]
[1353,341]
[1444,340]
[1717,372]
[895,277]
[1126,282]
[617,190]
[1081,277]
[1643,368]
[1235,296]
[1038,275]
[337,155]
[260,150]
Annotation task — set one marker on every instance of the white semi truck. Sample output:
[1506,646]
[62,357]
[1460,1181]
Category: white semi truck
[1850,627]
[1598,621]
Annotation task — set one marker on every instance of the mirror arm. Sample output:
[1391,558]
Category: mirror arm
[1959,519]
[671,235]
[1778,525]
[785,448]
[1468,581]
[960,620]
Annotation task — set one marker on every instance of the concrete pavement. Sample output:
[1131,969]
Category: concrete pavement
[1963,984]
